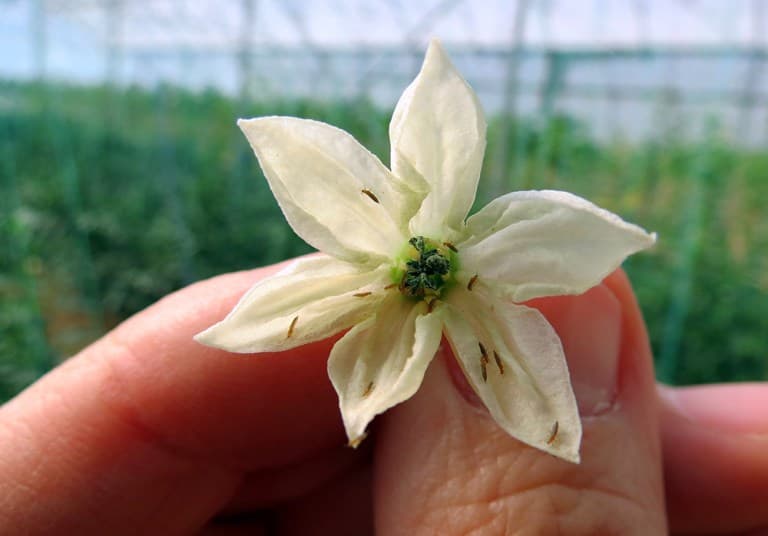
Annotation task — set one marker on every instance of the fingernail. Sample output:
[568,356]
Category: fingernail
[589,326]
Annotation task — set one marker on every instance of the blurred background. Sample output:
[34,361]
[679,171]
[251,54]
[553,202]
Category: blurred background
[123,176]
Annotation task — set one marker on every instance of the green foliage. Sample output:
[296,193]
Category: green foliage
[111,199]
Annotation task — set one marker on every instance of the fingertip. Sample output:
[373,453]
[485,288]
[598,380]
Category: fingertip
[730,408]
[714,441]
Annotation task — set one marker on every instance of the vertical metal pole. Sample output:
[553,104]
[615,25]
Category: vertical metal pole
[748,99]
[39,35]
[505,158]
[245,56]
[553,82]
[113,27]
[551,88]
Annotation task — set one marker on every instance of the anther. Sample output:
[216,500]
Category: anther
[483,352]
[431,305]
[553,435]
[451,247]
[368,390]
[498,362]
[362,294]
[391,285]
[370,194]
[354,443]
[291,327]
[472,282]
[483,369]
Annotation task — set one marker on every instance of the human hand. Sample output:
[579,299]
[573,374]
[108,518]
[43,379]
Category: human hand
[148,432]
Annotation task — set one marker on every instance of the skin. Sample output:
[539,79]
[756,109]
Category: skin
[148,432]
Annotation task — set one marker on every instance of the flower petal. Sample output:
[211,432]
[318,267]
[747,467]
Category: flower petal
[437,134]
[381,362]
[523,378]
[544,243]
[312,299]
[336,195]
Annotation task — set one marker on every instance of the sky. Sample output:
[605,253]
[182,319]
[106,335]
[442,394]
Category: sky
[79,33]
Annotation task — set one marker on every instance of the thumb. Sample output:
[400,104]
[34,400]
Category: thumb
[444,466]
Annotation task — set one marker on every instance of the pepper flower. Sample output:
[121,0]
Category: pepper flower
[402,266]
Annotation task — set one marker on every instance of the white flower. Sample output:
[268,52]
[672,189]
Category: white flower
[403,266]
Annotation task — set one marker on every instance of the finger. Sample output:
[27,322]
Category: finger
[329,494]
[715,440]
[274,487]
[148,428]
[468,475]
[342,508]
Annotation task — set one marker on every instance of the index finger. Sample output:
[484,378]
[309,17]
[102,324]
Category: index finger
[251,410]
[148,414]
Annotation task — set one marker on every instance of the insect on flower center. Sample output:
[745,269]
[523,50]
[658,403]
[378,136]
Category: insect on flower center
[428,269]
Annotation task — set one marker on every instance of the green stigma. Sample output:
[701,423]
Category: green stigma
[427,272]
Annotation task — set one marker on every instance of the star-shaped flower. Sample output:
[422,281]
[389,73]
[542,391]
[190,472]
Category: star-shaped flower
[403,266]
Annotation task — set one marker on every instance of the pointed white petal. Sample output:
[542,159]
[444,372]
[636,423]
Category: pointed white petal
[314,298]
[438,140]
[544,243]
[381,362]
[336,195]
[527,391]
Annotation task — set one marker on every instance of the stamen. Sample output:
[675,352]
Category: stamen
[553,435]
[451,247]
[498,362]
[362,294]
[483,352]
[483,361]
[472,282]
[354,443]
[368,390]
[391,285]
[290,328]
[370,194]
[431,305]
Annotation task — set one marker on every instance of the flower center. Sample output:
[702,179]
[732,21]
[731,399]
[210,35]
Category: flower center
[427,272]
